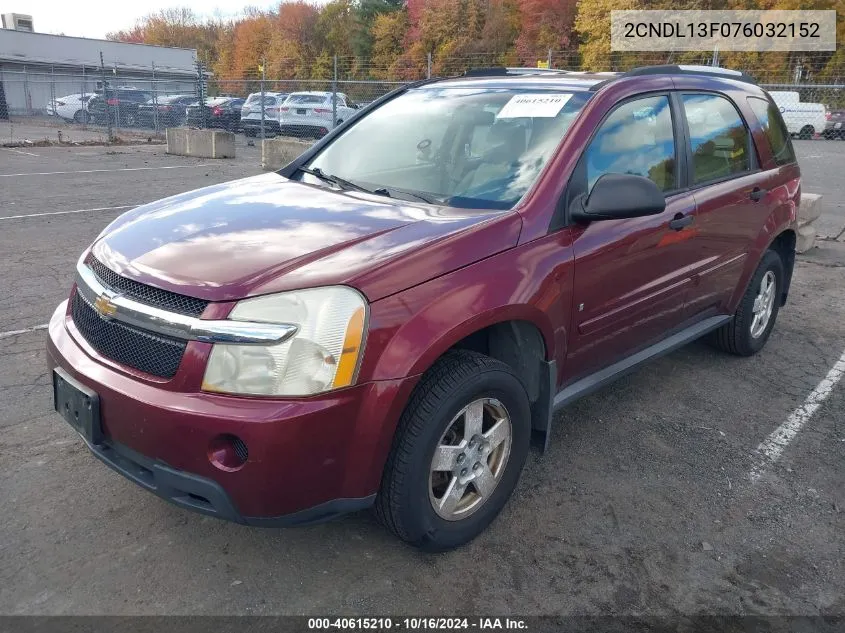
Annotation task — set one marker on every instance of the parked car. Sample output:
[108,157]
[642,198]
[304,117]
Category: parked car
[170,110]
[393,318]
[251,113]
[220,112]
[311,113]
[70,107]
[121,103]
[835,124]
[803,119]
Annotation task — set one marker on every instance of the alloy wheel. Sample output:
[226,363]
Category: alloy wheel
[470,459]
[764,304]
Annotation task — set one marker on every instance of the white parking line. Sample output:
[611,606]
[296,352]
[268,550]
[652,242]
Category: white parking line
[98,171]
[34,328]
[18,151]
[38,215]
[772,448]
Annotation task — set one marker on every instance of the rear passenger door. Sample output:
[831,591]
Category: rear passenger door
[730,194]
[631,276]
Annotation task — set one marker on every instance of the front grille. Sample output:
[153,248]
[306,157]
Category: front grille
[156,297]
[149,353]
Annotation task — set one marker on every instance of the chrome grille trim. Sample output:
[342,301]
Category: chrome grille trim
[146,317]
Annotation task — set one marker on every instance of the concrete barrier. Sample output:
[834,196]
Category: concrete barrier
[809,211]
[278,152]
[183,141]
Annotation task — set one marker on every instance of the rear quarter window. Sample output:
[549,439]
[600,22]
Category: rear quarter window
[774,128]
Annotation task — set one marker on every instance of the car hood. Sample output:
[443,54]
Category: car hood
[267,234]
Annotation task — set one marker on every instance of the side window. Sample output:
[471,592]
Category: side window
[637,138]
[774,128]
[718,138]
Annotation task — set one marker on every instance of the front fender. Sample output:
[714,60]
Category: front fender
[532,282]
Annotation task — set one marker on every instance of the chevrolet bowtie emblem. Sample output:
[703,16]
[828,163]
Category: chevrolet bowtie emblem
[105,307]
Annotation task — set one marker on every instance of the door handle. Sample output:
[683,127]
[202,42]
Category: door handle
[680,222]
[757,193]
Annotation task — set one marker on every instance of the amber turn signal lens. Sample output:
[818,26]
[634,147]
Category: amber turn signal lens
[348,363]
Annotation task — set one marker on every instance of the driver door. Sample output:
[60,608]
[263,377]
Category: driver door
[631,275]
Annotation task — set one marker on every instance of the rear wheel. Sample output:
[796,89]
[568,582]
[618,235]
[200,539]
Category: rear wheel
[457,453]
[806,132]
[755,317]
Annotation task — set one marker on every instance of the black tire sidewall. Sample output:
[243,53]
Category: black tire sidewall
[771,261]
[432,532]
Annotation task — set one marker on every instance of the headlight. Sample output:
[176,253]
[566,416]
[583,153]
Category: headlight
[324,353]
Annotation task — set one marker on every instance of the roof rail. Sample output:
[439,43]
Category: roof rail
[502,71]
[685,69]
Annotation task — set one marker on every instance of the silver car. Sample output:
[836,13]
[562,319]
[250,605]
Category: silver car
[251,113]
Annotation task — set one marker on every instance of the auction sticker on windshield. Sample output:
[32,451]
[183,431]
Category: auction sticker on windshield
[533,105]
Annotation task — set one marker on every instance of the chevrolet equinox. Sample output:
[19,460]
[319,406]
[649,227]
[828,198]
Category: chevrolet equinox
[393,318]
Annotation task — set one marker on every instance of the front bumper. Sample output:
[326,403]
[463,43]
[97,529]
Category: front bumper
[310,459]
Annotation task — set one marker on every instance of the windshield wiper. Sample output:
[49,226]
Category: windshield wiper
[335,180]
[381,191]
[385,191]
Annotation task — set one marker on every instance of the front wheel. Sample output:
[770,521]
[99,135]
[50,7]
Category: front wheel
[457,454]
[755,317]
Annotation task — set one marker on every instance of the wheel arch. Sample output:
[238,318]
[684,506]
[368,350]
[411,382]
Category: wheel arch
[784,245]
[520,336]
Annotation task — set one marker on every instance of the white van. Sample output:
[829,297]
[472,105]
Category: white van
[803,119]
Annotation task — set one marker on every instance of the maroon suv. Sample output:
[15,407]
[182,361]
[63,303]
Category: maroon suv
[392,318]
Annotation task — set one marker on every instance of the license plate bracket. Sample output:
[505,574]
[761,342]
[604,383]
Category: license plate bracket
[78,405]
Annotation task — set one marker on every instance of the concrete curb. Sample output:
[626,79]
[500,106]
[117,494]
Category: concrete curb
[278,152]
[183,141]
[809,211]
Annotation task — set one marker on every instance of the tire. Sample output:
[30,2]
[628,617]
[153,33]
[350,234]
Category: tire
[130,120]
[738,336]
[249,131]
[406,500]
[81,116]
[806,132]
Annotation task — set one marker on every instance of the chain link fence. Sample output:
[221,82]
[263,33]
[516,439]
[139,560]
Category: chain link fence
[307,98]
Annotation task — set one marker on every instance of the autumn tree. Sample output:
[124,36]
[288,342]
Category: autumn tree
[545,25]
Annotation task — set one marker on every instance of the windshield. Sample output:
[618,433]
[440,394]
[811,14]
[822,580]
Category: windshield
[466,147]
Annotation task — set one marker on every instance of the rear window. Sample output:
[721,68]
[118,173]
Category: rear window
[171,99]
[255,98]
[774,129]
[306,99]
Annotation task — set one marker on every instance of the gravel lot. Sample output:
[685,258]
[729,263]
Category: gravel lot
[643,505]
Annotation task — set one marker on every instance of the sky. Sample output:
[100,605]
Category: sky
[95,18]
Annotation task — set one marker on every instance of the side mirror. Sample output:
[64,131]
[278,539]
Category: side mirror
[619,196]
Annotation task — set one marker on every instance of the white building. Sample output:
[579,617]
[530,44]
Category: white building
[36,67]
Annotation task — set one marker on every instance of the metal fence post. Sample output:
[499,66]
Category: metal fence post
[53,90]
[105,97]
[549,59]
[261,105]
[428,65]
[116,98]
[334,94]
[27,101]
[83,100]
[155,99]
